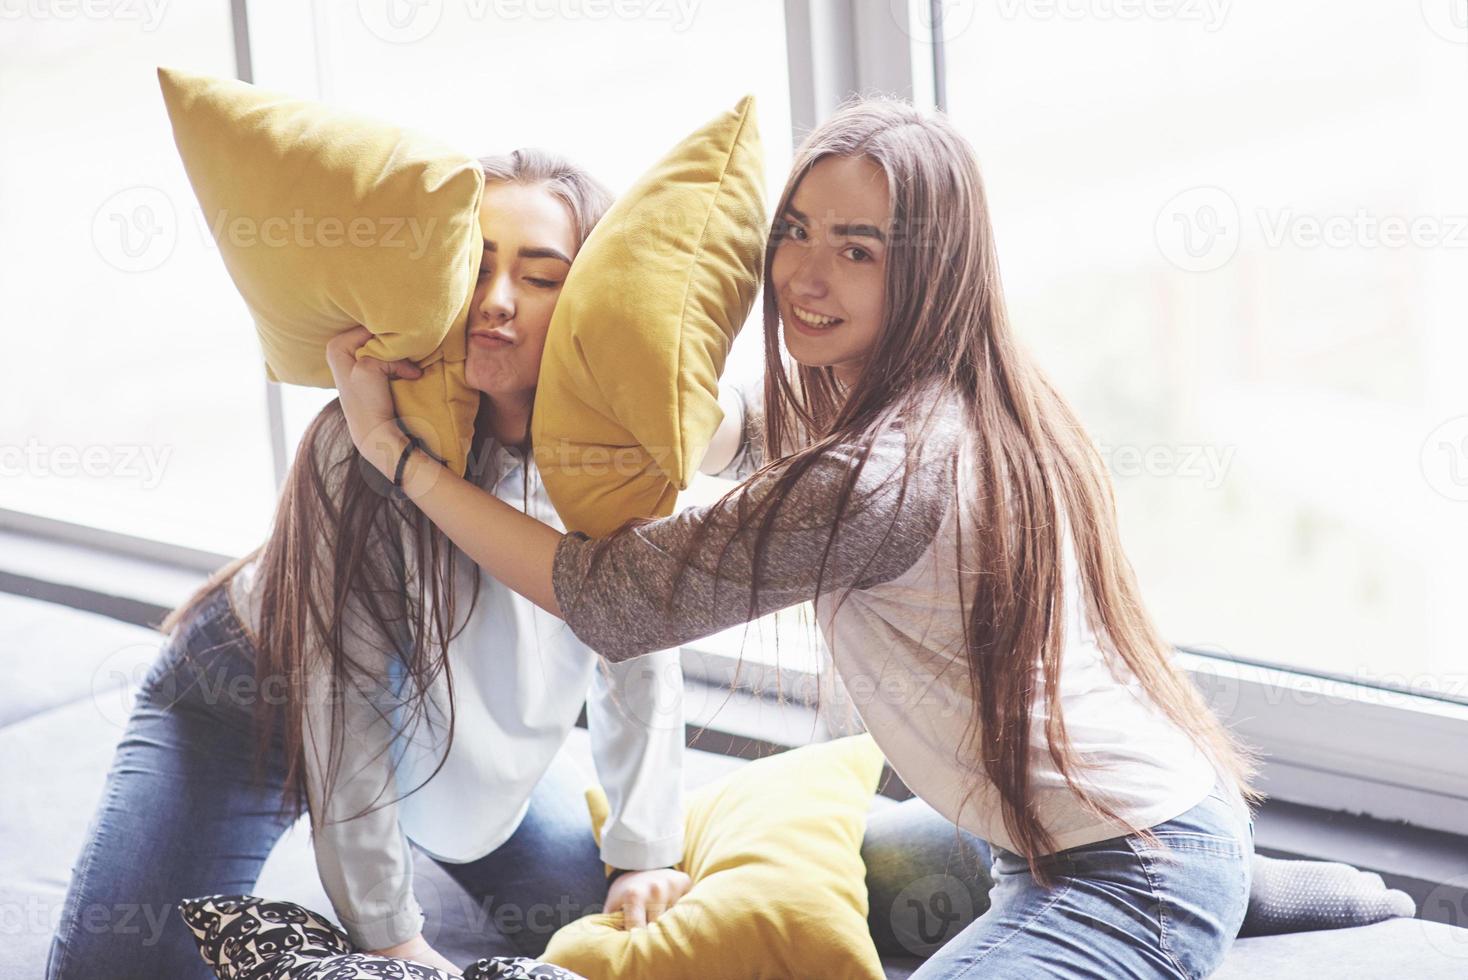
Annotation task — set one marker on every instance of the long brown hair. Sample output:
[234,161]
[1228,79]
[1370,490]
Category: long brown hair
[335,524]
[945,334]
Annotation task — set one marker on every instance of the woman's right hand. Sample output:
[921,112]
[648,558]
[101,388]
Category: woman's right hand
[418,950]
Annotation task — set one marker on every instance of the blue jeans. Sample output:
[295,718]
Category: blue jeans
[179,817]
[1119,908]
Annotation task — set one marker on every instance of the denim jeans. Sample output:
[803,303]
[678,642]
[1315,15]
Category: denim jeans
[179,817]
[1119,907]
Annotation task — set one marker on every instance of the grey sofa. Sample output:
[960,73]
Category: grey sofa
[62,708]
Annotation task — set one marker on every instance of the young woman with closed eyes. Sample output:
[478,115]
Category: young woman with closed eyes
[357,686]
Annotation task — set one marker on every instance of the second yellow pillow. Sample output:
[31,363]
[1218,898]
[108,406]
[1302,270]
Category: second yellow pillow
[779,887]
[628,394]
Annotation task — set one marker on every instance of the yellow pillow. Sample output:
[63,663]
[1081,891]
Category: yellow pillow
[779,887]
[627,398]
[326,219]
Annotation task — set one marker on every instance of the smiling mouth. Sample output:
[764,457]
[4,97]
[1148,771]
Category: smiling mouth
[812,322]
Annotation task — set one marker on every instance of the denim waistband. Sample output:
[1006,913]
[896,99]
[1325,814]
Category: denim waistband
[1221,814]
[210,629]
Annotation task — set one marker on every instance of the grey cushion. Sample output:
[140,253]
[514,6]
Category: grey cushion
[1402,949]
[53,655]
[1409,949]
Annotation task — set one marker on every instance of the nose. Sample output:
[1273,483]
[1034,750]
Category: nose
[809,278]
[498,304]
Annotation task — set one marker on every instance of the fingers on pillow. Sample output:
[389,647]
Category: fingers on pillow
[402,369]
[349,340]
[341,350]
[662,896]
[634,911]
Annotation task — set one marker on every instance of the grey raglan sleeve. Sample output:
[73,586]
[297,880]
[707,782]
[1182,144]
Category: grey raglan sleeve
[363,858]
[629,600]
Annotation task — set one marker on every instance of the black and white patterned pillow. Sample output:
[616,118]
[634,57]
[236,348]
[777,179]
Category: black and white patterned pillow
[242,937]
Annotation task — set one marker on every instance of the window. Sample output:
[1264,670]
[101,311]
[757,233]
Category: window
[504,75]
[508,75]
[142,408]
[133,400]
[1237,236]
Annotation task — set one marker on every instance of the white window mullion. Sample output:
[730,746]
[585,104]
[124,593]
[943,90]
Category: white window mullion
[840,48]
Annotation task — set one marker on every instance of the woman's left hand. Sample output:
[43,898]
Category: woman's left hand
[366,397]
[642,896]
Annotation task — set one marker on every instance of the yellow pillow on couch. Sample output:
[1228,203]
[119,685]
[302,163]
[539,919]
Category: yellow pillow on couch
[326,219]
[628,393]
[779,887]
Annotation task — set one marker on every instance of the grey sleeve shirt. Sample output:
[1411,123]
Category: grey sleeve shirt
[629,599]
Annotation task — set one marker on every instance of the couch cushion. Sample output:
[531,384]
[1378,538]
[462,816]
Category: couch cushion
[1411,949]
[1406,948]
[61,752]
[53,654]
[57,741]
[61,757]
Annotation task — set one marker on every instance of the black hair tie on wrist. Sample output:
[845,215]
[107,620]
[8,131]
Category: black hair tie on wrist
[397,481]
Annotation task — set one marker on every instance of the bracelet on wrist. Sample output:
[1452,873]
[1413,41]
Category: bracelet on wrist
[397,480]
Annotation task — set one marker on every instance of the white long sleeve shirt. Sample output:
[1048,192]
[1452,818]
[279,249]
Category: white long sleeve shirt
[520,677]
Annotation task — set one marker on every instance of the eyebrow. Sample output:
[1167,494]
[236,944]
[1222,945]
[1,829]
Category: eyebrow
[530,253]
[850,231]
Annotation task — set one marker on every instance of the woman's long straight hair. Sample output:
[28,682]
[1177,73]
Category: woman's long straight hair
[337,536]
[1032,468]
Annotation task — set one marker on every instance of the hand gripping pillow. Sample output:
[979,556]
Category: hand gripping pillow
[242,937]
[326,219]
[627,397]
[779,887]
